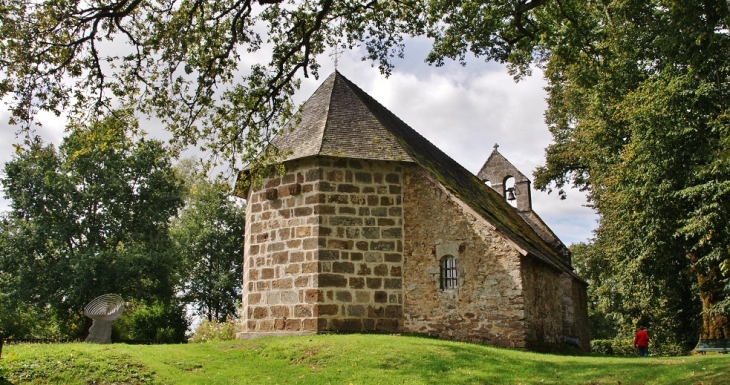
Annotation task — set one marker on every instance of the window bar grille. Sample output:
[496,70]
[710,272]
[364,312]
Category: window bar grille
[448,273]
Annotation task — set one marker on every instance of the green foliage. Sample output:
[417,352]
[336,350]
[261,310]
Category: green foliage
[619,301]
[158,322]
[19,320]
[208,235]
[342,359]
[215,331]
[624,347]
[87,219]
[638,111]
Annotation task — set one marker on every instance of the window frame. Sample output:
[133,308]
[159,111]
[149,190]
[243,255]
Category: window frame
[449,278]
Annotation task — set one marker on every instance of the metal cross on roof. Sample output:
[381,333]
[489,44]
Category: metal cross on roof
[496,146]
[336,54]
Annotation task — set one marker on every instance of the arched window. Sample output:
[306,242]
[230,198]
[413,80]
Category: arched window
[448,273]
[509,191]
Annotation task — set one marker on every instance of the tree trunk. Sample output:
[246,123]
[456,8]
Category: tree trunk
[714,326]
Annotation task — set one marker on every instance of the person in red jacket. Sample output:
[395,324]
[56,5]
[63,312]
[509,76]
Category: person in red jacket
[641,341]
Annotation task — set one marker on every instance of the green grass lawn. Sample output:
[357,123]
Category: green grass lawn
[341,359]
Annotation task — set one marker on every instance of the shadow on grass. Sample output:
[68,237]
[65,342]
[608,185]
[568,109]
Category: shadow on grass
[466,363]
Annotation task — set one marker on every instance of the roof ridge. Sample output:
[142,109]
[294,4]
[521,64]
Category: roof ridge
[335,75]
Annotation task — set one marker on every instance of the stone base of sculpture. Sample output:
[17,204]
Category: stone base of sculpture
[100,332]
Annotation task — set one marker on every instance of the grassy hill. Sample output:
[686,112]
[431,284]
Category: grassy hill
[341,359]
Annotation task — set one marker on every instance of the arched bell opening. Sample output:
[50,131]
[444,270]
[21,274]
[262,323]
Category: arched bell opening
[509,192]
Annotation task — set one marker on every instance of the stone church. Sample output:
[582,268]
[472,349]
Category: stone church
[374,229]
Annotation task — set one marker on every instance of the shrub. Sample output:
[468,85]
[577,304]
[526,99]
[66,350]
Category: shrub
[159,322]
[215,331]
[615,347]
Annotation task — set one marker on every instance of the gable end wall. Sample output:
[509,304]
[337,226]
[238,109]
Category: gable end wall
[488,304]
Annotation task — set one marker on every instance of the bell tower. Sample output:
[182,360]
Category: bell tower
[507,180]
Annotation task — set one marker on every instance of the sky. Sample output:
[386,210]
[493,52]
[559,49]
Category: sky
[463,110]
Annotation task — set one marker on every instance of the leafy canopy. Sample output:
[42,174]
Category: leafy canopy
[209,236]
[90,218]
[196,64]
[638,109]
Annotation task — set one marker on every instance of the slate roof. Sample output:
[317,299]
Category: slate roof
[336,122]
[342,120]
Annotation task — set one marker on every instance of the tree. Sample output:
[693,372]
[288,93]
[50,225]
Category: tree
[88,219]
[209,236]
[618,301]
[640,120]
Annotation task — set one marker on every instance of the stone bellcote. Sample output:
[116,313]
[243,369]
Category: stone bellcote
[503,175]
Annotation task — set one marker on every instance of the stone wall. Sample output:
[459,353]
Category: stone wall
[575,309]
[361,245]
[324,248]
[280,255]
[543,299]
[488,303]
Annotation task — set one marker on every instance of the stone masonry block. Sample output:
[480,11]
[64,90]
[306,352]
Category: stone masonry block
[293,324]
[393,232]
[346,210]
[356,310]
[310,267]
[254,298]
[363,177]
[340,244]
[348,324]
[328,255]
[356,283]
[364,269]
[309,324]
[393,283]
[343,267]
[376,311]
[267,273]
[384,222]
[343,296]
[279,311]
[303,311]
[382,245]
[362,296]
[348,188]
[345,221]
[387,325]
[328,309]
[260,312]
[371,232]
[381,270]
[332,280]
[374,283]
[393,311]
[392,178]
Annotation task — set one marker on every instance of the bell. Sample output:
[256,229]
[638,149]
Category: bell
[511,194]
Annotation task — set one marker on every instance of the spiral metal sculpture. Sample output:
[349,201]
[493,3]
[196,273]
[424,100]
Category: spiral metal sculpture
[103,310]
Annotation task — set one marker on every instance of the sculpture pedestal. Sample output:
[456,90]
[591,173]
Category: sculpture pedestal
[100,332]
